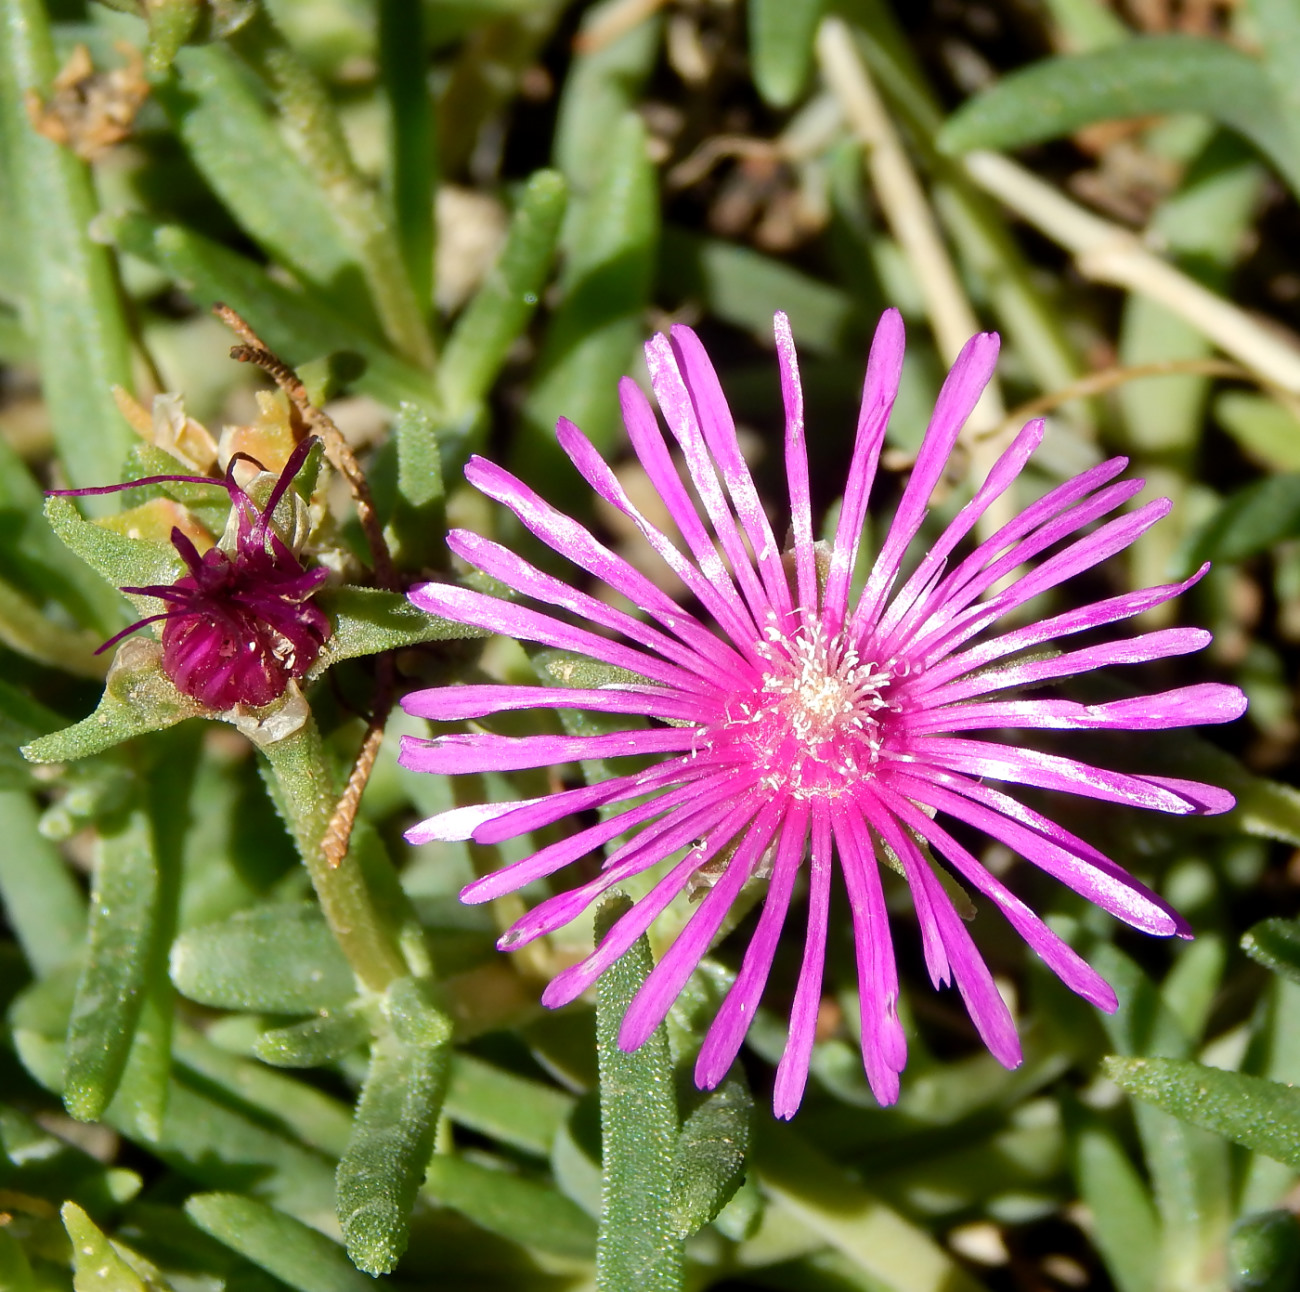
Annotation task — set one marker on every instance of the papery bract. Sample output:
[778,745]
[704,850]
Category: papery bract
[806,728]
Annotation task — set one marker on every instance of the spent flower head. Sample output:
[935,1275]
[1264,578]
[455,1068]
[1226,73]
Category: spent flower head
[240,624]
[805,728]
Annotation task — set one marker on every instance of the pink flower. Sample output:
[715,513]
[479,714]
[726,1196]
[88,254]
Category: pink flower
[800,728]
[240,624]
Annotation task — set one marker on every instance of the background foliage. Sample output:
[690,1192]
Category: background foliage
[459,219]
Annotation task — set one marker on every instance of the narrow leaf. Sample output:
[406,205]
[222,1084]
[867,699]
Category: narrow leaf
[297,325]
[1276,945]
[514,1110]
[312,1043]
[96,1264]
[279,1244]
[1146,76]
[123,913]
[138,698]
[385,1162]
[780,46]
[78,322]
[236,145]
[500,310]
[1252,1111]
[639,1246]
[368,620]
[709,1164]
[273,959]
[524,1211]
[42,903]
[1250,521]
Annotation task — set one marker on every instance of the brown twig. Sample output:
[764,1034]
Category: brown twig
[338,834]
[338,450]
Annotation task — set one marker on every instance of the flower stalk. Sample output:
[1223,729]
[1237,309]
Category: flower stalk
[308,799]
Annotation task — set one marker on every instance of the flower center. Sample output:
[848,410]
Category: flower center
[814,723]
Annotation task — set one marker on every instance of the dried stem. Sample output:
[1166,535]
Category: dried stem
[1110,253]
[1096,383]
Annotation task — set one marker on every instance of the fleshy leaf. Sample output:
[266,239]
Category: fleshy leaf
[709,1162]
[273,960]
[369,620]
[1250,521]
[123,561]
[780,46]
[123,913]
[521,1210]
[311,1043]
[96,1262]
[1276,945]
[138,697]
[639,1243]
[1252,1111]
[1146,76]
[279,1244]
[392,1136]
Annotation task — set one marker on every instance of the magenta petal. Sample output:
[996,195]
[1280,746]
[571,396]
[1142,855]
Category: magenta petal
[725,1036]
[650,1005]
[792,1071]
[884,368]
[796,469]
[884,1048]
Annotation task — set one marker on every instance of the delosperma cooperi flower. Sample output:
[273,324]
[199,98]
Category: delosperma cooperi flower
[240,624]
[803,729]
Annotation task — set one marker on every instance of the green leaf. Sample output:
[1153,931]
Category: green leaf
[123,914]
[745,288]
[419,464]
[412,148]
[279,1244]
[97,1266]
[1250,521]
[42,903]
[833,1207]
[138,698]
[272,959]
[1264,1253]
[1259,1114]
[1276,945]
[780,46]
[297,325]
[312,1043]
[1262,427]
[122,561]
[392,1137]
[1145,76]
[639,1244]
[1126,1228]
[368,620]
[602,84]
[15,1269]
[523,1211]
[514,1110]
[709,1162]
[233,140]
[1189,1169]
[501,308]
[314,1118]
[76,313]
[591,339]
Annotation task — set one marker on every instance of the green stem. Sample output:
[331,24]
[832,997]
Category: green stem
[638,1245]
[318,139]
[307,796]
